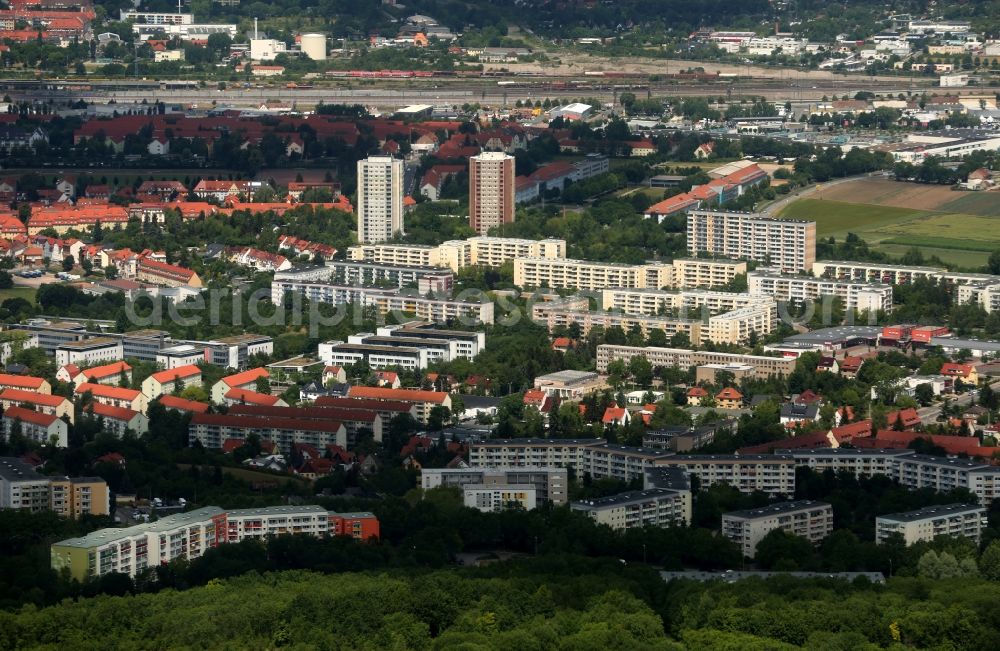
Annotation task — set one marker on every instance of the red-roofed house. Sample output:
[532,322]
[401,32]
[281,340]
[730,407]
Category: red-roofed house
[964,372]
[334,374]
[615,415]
[539,400]
[245,380]
[115,396]
[423,400]
[45,403]
[910,418]
[729,398]
[248,397]
[24,383]
[387,379]
[119,419]
[110,374]
[170,380]
[36,426]
[695,395]
[181,404]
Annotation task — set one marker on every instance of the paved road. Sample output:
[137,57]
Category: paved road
[929,415]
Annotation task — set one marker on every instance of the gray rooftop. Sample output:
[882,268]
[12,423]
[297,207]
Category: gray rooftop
[105,536]
[622,499]
[836,334]
[776,509]
[933,512]
[13,469]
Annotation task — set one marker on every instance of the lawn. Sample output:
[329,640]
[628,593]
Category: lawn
[838,218]
[27,293]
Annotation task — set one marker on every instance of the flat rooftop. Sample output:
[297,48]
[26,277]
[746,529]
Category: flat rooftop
[105,536]
[622,499]
[839,333]
[940,510]
[776,509]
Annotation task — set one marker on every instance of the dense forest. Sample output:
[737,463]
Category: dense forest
[552,603]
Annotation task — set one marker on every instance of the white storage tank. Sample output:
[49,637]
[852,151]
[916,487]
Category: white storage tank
[314,46]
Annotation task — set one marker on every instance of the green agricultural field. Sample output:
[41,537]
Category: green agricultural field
[838,218]
[975,203]
[964,239]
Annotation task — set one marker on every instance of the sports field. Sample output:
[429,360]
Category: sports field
[961,228]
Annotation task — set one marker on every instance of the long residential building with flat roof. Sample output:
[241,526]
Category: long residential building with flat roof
[350,272]
[786,243]
[484,251]
[732,327]
[926,524]
[438,310]
[550,483]
[764,367]
[664,501]
[189,535]
[860,296]
[564,273]
[804,518]
[695,302]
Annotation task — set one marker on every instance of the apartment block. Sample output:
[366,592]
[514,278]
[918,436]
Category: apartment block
[926,524]
[212,430]
[741,325]
[870,297]
[911,470]
[871,272]
[491,498]
[262,523]
[380,198]
[491,191]
[385,301]
[985,295]
[804,518]
[73,497]
[408,255]
[763,367]
[767,473]
[550,484]
[189,535]
[564,312]
[520,453]
[423,401]
[694,302]
[860,463]
[46,429]
[357,421]
[564,273]
[706,272]
[349,272]
[21,487]
[786,243]
[654,507]
[484,251]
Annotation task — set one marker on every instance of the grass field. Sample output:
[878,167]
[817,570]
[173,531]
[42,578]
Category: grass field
[838,218]
[27,293]
[960,228]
